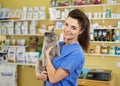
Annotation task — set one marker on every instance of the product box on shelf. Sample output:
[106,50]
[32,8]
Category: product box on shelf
[62,2]
[85,2]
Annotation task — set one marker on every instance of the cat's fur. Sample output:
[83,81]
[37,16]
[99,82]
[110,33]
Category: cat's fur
[50,39]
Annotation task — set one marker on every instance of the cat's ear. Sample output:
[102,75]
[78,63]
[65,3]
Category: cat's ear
[52,29]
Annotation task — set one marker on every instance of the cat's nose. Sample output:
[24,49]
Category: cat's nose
[45,33]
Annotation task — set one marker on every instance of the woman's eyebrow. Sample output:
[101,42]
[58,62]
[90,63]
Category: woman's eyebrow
[74,26]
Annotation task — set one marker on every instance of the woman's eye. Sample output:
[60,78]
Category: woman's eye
[74,28]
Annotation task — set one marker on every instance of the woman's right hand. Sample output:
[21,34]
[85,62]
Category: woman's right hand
[42,76]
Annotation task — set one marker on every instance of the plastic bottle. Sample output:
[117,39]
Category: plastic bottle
[112,35]
[108,13]
[108,36]
[104,34]
[117,36]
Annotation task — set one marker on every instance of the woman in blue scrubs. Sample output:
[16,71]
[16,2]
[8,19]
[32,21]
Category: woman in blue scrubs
[65,70]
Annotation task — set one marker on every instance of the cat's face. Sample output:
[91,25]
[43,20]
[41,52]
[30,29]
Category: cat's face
[50,36]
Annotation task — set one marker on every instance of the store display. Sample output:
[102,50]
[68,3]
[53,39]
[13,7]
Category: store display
[100,32]
[18,30]
[106,35]
[22,28]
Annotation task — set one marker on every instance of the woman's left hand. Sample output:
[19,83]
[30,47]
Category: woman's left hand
[48,51]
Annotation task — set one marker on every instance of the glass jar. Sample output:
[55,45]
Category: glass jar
[92,51]
[104,50]
[97,49]
[112,50]
[118,50]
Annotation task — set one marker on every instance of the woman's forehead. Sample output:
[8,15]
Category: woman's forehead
[72,21]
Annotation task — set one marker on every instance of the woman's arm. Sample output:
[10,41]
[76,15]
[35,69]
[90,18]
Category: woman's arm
[40,75]
[53,74]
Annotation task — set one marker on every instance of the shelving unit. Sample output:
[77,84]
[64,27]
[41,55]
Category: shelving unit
[19,36]
[108,55]
[93,5]
[24,35]
[92,20]
[102,42]
[23,64]
[26,76]
[22,20]
[13,46]
[85,6]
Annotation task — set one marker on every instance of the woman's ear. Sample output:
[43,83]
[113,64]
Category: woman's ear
[80,32]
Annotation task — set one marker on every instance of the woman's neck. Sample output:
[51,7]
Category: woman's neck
[70,41]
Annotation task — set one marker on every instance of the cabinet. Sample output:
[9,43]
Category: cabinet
[86,82]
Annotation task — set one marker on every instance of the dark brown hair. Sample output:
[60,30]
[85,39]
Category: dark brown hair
[84,23]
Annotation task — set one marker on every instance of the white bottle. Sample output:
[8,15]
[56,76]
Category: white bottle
[91,34]
[117,36]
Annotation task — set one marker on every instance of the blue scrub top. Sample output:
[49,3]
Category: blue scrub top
[71,59]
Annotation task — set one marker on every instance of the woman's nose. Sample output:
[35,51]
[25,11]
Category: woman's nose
[67,28]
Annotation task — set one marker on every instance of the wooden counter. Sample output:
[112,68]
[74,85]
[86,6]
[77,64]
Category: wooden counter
[87,82]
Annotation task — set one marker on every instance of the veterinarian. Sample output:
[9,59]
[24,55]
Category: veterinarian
[65,70]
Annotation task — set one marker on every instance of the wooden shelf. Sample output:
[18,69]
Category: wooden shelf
[89,19]
[16,20]
[110,42]
[102,55]
[23,64]
[23,35]
[93,5]
[14,46]
[115,28]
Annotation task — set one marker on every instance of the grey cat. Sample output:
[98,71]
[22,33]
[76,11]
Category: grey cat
[50,39]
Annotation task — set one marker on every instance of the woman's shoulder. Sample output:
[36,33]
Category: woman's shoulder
[72,48]
[61,43]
